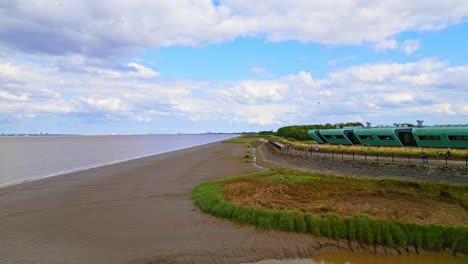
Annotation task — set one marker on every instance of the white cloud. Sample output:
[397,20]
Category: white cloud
[428,88]
[273,114]
[464,109]
[398,97]
[8,96]
[384,72]
[253,92]
[108,104]
[142,71]
[108,28]
[409,46]
[420,79]
[443,108]
[386,44]
[143,119]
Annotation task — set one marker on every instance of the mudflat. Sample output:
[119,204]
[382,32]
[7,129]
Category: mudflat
[138,211]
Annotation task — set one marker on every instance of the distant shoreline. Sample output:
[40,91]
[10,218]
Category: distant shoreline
[83,168]
[114,134]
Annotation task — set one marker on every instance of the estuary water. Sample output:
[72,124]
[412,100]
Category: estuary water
[25,158]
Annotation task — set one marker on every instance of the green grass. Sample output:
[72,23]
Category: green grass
[347,186]
[394,150]
[369,149]
[209,197]
[241,140]
[293,142]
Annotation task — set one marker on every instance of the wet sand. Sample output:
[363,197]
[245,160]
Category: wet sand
[141,211]
[138,211]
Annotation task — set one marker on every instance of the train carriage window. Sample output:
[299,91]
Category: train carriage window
[429,137]
[386,137]
[458,137]
[327,136]
[365,137]
[339,136]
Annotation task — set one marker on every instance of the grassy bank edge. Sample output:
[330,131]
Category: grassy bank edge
[209,197]
[369,149]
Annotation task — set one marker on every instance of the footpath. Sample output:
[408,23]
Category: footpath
[271,157]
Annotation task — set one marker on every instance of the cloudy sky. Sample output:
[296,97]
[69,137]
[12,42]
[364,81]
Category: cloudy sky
[153,66]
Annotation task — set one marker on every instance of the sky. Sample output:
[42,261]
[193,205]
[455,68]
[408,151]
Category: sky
[193,66]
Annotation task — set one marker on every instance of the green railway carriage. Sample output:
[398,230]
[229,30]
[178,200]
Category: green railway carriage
[442,136]
[335,136]
[383,136]
[436,136]
[315,135]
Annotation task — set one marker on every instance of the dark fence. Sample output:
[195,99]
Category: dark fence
[379,157]
[275,145]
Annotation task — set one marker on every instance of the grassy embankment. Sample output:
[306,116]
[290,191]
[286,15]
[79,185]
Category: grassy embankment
[246,141]
[371,149]
[268,210]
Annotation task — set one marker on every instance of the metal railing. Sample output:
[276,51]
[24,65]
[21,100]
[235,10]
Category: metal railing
[378,157]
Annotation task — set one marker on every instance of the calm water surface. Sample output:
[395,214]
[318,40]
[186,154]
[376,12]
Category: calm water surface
[29,158]
[355,258]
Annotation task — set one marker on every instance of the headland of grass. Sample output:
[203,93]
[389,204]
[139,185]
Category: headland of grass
[261,199]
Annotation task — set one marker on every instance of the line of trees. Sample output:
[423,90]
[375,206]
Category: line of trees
[300,132]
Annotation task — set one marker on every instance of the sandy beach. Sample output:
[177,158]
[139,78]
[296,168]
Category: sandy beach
[138,211]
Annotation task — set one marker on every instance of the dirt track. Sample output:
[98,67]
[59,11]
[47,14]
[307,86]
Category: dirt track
[136,212]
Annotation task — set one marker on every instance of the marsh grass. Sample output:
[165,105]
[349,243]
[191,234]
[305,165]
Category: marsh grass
[327,185]
[209,197]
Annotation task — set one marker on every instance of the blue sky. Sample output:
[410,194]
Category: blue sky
[196,66]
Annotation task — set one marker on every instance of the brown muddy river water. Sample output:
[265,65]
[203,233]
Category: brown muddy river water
[355,258]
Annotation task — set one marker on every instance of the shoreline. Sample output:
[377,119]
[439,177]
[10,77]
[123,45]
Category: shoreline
[141,211]
[36,178]
[133,211]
